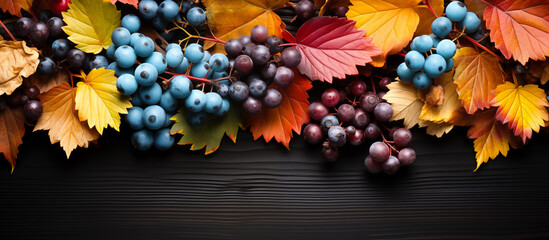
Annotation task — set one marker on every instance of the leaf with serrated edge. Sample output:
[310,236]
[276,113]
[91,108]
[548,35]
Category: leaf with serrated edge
[476,75]
[406,104]
[444,112]
[491,137]
[90,24]
[291,114]
[45,83]
[98,101]
[60,118]
[436,129]
[17,61]
[523,107]
[131,2]
[14,7]
[12,129]
[209,134]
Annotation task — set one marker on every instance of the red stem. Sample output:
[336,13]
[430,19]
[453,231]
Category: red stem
[373,85]
[484,1]
[287,44]
[8,31]
[190,77]
[389,144]
[483,47]
[211,39]
[428,4]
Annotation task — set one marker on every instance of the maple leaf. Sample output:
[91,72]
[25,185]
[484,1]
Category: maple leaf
[98,101]
[90,24]
[390,23]
[332,47]
[444,112]
[131,2]
[14,6]
[18,61]
[331,4]
[491,137]
[234,18]
[209,134]
[292,113]
[406,104]
[61,119]
[436,129]
[477,74]
[12,129]
[45,83]
[519,29]
[426,17]
[523,107]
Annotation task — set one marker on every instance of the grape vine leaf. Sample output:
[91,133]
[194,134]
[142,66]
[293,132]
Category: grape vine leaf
[426,17]
[476,75]
[209,134]
[14,7]
[519,29]
[491,136]
[405,101]
[523,107]
[390,23]
[18,61]
[234,18]
[12,129]
[332,47]
[446,111]
[332,4]
[291,114]
[45,83]
[90,24]
[130,2]
[98,101]
[62,121]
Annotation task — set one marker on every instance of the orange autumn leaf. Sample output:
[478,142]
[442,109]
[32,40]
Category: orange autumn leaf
[491,137]
[12,129]
[477,74]
[426,17]
[523,107]
[234,18]
[476,6]
[61,119]
[131,2]
[279,122]
[519,28]
[14,7]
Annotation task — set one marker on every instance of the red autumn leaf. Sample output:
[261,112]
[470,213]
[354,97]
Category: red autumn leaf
[131,2]
[332,47]
[519,28]
[12,129]
[291,114]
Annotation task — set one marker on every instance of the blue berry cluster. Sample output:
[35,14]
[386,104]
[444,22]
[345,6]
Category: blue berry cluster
[161,14]
[421,70]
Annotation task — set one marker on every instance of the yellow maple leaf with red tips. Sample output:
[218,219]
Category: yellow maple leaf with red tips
[522,107]
[491,136]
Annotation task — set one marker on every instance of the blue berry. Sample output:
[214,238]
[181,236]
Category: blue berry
[435,65]
[168,121]
[446,48]
[449,65]
[97,61]
[136,100]
[225,107]
[257,88]
[158,61]
[110,51]
[135,118]
[337,136]
[134,37]
[168,102]
[196,101]
[217,75]
[144,47]
[223,90]
[478,35]
[180,87]
[118,71]
[182,67]
[422,81]
[471,22]
[404,73]
[238,91]
[174,57]
[131,22]
[159,23]
[441,27]
[46,66]
[145,74]
[201,70]
[196,16]
[150,95]
[60,48]
[147,9]
[154,117]
[456,11]
[196,118]
[168,36]
[328,121]
[163,140]
[435,39]
[126,84]
[219,62]
[173,45]
[207,56]
[194,52]
[168,10]
[414,60]
[125,56]
[422,43]
[142,140]
[121,36]
[213,102]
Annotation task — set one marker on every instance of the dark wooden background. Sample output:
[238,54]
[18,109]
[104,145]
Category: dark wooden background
[254,190]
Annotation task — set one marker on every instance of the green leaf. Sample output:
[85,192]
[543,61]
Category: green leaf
[210,133]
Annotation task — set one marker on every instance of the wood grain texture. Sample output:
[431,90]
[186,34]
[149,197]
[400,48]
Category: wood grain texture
[253,190]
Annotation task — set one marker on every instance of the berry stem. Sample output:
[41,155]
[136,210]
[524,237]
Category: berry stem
[204,80]
[287,44]
[8,31]
[373,85]
[483,47]
[389,143]
[428,4]
[210,39]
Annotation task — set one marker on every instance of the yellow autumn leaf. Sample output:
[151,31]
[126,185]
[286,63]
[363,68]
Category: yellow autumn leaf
[436,129]
[476,75]
[491,137]
[60,118]
[234,18]
[444,112]
[17,61]
[390,23]
[99,102]
[90,24]
[523,107]
[406,104]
